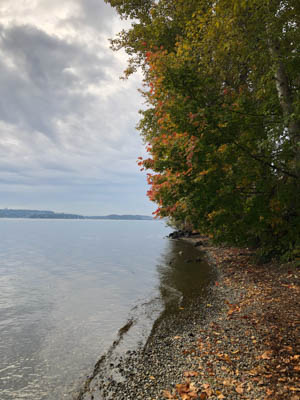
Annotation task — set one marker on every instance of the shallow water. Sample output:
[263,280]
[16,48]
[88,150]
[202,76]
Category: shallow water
[66,288]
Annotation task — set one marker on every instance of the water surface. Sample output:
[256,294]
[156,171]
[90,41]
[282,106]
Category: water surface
[66,288]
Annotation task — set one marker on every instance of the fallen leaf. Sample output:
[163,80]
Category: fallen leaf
[152,378]
[239,389]
[187,391]
[267,355]
[188,374]
[224,357]
[168,395]
[294,389]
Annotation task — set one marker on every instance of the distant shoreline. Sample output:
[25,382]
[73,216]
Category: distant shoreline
[42,214]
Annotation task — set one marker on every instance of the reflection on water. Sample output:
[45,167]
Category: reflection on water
[183,275]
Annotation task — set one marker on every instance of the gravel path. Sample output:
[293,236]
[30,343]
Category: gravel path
[239,343]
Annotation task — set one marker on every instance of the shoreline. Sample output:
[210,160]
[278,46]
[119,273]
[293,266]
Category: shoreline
[233,344]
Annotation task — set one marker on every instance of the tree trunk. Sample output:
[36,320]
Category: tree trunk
[286,102]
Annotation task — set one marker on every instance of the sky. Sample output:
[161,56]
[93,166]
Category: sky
[68,141]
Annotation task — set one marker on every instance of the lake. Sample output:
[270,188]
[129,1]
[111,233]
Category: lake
[68,286]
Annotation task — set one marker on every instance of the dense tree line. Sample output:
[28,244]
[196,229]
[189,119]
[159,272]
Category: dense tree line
[222,123]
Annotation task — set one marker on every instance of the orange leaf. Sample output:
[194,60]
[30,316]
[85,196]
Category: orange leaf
[267,355]
[206,385]
[168,395]
[190,373]
[239,389]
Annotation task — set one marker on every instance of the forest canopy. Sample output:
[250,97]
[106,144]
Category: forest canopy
[222,117]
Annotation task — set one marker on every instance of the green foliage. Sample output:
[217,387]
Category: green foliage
[222,125]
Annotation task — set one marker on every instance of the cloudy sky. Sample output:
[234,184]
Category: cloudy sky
[67,122]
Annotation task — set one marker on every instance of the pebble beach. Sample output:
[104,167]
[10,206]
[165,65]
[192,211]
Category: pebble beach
[233,344]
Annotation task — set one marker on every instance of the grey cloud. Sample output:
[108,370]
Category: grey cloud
[48,77]
[97,14]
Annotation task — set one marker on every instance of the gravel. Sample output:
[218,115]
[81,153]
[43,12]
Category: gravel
[207,347]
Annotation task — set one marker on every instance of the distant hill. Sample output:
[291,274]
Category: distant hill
[11,213]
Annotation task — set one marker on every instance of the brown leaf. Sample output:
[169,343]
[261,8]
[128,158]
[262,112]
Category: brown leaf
[294,389]
[221,396]
[207,389]
[203,396]
[193,395]
[189,374]
[182,388]
[267,355]
[239,389]
[224,357]
[168,395]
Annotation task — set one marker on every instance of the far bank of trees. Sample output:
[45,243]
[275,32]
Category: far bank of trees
[222,124]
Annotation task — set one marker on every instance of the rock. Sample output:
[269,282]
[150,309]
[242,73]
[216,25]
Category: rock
[198,243]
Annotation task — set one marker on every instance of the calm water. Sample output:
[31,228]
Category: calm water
[67,286]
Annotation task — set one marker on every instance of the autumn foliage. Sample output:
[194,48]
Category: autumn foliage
[222,126]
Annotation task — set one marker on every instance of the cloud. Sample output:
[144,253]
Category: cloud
[66,119]
[44,78]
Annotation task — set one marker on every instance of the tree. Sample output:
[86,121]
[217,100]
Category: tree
[222,124]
